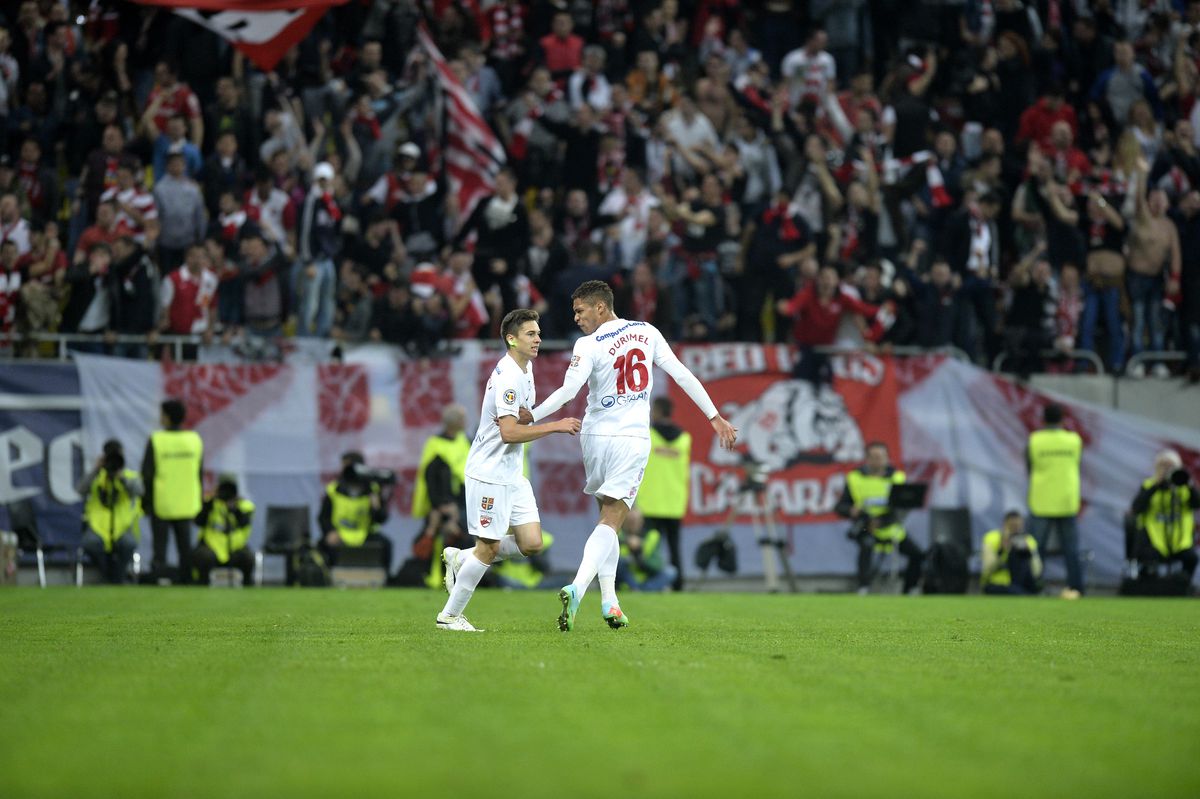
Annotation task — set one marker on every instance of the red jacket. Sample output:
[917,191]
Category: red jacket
[562,55]
[1038,119]
[814,323]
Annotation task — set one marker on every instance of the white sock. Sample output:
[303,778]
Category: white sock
[509,548]
[608,574]
[469,575]
[595,553]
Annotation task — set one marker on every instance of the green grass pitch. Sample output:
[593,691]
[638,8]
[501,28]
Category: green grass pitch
[195,692]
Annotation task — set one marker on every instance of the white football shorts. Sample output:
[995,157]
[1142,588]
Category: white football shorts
[492,508]
[614,465]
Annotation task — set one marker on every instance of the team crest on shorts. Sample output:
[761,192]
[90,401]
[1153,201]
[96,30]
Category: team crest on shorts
[484,521]
[487,503]
[510,396]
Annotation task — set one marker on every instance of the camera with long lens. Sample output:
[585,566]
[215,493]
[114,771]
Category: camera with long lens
[227,492]
[1180,477]
[384,477]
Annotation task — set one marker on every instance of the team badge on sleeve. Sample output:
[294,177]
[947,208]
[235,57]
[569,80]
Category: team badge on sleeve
[574,362]
[510,397]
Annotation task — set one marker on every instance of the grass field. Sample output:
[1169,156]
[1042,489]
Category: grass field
[194,692]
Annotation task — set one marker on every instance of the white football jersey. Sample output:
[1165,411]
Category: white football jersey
[619,359]
[508,390]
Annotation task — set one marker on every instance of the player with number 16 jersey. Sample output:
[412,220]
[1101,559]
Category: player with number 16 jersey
[616,358]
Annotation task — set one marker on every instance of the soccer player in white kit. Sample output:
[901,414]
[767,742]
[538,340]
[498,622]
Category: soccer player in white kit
[616,358]
[498,495]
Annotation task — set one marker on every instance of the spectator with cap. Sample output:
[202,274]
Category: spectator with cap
[320,242]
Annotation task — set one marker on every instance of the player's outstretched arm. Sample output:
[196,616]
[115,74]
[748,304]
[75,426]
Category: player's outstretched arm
[512,432]
[572,382]
[726,432]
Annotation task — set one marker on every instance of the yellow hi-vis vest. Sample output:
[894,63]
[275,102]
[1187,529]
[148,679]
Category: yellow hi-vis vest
[177,458]
[351,515]
[651,553]
[992,541]
[1168,521]
[664,490]
[112,519]
[870,493]
[219,533]
[1054,457]
[454,452]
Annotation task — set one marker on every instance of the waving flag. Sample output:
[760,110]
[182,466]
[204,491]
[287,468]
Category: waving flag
[471,154]
[263,30]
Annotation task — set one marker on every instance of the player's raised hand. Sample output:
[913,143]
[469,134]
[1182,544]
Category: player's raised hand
[569,425]
[726,433]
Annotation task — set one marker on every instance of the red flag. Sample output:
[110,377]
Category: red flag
[471,154]
[264,30]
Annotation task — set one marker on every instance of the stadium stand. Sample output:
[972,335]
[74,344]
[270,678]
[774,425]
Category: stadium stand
[715,153]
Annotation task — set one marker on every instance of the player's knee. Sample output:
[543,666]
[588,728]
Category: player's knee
[529,548]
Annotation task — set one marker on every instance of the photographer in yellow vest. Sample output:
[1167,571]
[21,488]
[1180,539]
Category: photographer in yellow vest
[641,565]
[1165,510]
[112,507]
[663,496]
[224,523]
[1011,564]
[352,509]
[172,471]
[1053,457]
[877,528]
[438,495]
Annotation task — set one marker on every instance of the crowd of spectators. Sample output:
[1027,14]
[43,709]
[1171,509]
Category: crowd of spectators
[997,175]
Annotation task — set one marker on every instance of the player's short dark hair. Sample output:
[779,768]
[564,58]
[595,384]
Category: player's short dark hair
[175,411]
[594,291]
[513,321]
[1052,414]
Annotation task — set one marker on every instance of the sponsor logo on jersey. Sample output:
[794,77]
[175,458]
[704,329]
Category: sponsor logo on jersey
[510,397]
[487,503]
[619,330]
[621,400]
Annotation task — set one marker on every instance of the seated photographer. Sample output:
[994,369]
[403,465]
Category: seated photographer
[111,510]
[641,565]
[224,523]
[1011,564]
[877,528]
[1164,511]
[438,495]
[352,509]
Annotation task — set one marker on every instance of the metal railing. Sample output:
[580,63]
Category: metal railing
[64,344]
[1056,355]
[1154,356]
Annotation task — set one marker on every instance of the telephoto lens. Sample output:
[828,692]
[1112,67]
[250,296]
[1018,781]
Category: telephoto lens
[1180,477]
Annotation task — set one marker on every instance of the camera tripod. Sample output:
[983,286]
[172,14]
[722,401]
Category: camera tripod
[766,528]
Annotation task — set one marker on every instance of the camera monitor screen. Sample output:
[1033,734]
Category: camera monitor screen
[907,496]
